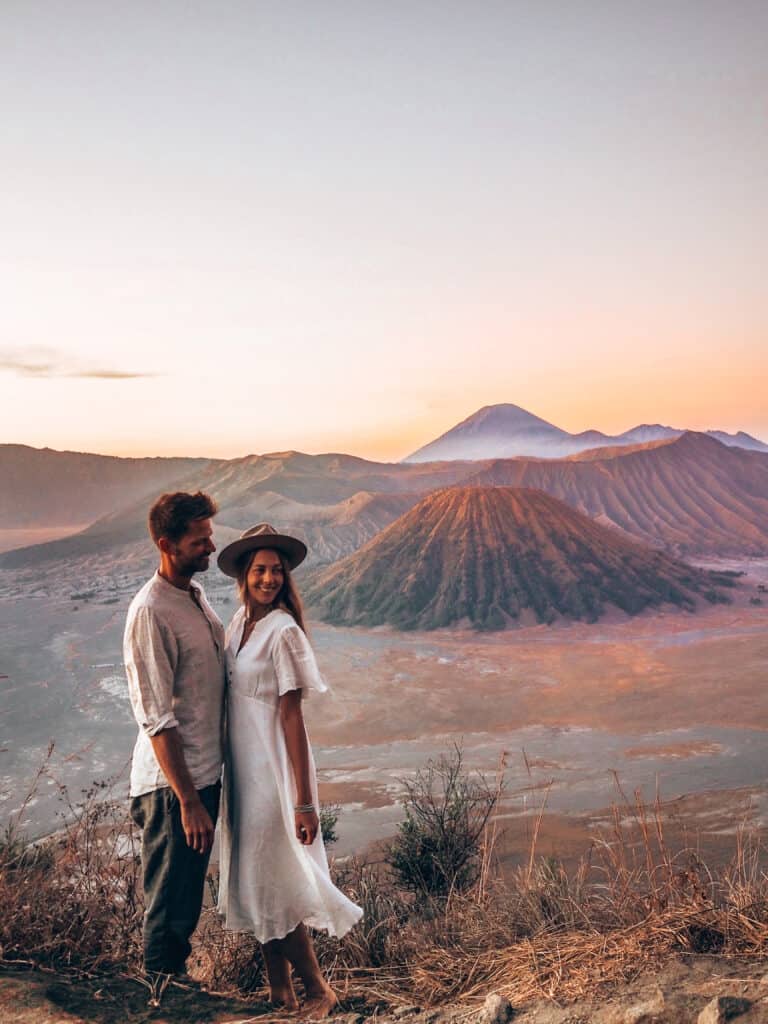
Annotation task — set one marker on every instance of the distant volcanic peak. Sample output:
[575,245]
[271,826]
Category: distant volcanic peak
[491,432]
[489,556]
[507,416]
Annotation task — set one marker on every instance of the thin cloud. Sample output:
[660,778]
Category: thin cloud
[108,374]
[47,363]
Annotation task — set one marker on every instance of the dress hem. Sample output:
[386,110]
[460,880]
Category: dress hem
[304,919]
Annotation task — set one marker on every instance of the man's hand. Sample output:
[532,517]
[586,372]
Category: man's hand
[197,825]
[195,820]
[307,825]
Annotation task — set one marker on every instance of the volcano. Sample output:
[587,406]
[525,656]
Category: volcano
[491,557]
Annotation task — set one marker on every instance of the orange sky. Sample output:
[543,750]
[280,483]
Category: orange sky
[349,229]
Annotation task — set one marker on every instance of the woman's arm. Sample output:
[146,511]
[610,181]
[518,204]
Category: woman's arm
[292,721]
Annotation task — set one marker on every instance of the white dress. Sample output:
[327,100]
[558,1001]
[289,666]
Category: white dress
[269,881]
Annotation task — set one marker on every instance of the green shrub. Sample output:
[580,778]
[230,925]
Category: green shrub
[329,816]
[437,847]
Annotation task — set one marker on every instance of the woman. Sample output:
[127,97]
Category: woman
[274,873]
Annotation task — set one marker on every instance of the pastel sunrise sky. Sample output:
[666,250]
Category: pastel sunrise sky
[231,227]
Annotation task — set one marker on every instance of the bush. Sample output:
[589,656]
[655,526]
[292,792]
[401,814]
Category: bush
[329,816]
[437,848]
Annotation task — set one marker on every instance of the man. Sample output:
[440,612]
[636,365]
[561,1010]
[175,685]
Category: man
[174,658]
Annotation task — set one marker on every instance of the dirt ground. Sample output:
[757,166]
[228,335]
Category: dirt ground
[675,995]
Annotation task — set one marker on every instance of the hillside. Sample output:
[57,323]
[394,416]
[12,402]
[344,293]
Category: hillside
[690,495]
[337,502]
[320,479]
[330,531]
[42,487]
[488,557]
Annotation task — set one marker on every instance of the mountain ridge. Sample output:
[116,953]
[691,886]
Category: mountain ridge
[690,495]
[506,430]
[85,486]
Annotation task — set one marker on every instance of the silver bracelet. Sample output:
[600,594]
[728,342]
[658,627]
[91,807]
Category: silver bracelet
[304,808]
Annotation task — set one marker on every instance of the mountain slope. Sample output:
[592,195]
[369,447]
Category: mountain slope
[330,531]
[291,488]
[321,479]
[42,487]
[691,494]
[483,556]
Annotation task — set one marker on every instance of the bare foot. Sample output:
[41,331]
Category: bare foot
[284,1000]
[320,1005]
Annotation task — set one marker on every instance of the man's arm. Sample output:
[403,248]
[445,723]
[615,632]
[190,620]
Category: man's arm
[195,820]
[150,661]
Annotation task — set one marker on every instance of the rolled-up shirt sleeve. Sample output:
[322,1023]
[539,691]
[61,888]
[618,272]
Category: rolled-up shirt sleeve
[295,664]
[150,661]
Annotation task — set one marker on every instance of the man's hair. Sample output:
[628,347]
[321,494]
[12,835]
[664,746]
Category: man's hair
[171,514]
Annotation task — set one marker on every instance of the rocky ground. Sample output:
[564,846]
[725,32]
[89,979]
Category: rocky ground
[690,990]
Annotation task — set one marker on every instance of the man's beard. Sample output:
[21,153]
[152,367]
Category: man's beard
[190,566]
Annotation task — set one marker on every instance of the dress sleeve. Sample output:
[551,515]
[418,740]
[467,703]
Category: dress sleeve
[295,665]
[150,662]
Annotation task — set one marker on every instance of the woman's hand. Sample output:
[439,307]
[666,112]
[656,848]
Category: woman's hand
[307,826]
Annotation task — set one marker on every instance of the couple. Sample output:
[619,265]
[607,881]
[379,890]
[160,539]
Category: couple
[182,669]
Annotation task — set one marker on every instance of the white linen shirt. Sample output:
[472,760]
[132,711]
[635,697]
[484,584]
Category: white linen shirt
[173,649]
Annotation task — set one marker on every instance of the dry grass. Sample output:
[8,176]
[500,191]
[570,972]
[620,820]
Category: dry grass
[631,904]
[74,903]
[72,900]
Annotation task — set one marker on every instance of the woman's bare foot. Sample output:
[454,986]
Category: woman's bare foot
[284,999]
[319,1004]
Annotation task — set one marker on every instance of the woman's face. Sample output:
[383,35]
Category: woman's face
[265,577]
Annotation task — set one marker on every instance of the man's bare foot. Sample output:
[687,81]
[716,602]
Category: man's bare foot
[320,1004]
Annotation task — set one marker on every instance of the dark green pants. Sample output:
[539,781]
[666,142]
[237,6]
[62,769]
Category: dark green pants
[174,877]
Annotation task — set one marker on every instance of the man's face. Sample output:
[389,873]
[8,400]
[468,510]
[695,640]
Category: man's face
[193,551]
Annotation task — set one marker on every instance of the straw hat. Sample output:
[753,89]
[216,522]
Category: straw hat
[261,536]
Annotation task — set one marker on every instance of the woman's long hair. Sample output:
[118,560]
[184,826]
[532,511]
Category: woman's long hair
[287,597]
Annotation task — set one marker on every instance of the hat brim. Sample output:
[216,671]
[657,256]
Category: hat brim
[294,550]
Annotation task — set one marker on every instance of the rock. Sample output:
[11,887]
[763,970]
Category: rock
[646,1012]
[496,1010]
[723,1008]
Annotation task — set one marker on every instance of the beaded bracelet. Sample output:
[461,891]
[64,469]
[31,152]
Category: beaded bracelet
[304,808]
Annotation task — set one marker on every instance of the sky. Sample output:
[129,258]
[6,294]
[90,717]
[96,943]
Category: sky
[231,227]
